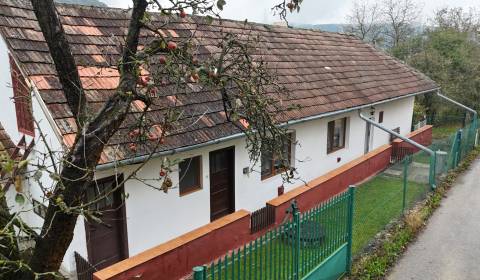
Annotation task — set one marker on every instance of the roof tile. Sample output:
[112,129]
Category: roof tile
[323,71]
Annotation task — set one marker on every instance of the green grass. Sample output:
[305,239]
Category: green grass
[377,202]
[376,263]
[445,130]
[272,255]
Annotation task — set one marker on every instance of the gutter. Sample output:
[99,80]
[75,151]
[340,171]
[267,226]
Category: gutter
[410,141]
[140,159]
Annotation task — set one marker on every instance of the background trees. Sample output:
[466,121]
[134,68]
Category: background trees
[446,48]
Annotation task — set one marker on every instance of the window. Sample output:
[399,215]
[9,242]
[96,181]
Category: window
[336,135]
[274,164]
[190,175]
[23,103]
[103,191]
[380,117]
[39,208]
[392,137]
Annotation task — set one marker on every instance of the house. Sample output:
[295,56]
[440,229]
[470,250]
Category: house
[332,76]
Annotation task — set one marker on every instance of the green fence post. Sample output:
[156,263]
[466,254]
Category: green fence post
[296,222]
[199,273]
[433,170]
[459,147]
[351,199]
[405,178]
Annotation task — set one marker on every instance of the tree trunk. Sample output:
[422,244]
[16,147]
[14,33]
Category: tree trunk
[78,165]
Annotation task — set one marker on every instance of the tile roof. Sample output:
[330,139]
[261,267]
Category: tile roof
[323,71]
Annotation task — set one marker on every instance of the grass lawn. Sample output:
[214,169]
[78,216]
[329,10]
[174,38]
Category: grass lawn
[272,256]
[377,202]
[445,130]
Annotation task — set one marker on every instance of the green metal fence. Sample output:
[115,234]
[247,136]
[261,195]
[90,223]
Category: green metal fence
[306,245]
[389,194]
[319,243]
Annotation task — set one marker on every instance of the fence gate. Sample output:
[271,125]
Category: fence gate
[315,244]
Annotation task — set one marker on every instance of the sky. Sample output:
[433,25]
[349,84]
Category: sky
[312,11]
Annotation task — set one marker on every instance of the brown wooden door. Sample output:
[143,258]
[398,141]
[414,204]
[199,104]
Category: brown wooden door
[107,241]
[222,183]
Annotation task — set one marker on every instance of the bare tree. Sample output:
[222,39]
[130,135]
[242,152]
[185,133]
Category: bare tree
[457,19]
[234,68]
[400,17]
[364,21]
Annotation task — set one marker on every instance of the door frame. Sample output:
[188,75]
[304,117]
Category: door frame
[123,213]
[232,176]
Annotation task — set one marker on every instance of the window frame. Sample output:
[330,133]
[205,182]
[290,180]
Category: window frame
[380,116]
[393,137]
[194,188]
[39,208]
[276,171]
[330,148]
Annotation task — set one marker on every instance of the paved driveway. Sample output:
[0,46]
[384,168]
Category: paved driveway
[449,247]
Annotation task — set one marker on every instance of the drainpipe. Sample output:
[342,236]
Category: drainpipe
[433,156]
[458,104]
[475,114]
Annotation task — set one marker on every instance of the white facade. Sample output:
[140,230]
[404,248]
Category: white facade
[154,217]
[147,208]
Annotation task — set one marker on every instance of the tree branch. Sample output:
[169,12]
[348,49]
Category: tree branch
[63,59]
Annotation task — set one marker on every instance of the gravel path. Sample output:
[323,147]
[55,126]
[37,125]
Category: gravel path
[449,247]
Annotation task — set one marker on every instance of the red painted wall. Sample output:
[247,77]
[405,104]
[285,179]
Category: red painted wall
[178,261]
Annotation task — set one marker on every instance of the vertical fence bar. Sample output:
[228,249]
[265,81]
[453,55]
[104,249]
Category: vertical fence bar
[351,199]
[405,178]
[296,220]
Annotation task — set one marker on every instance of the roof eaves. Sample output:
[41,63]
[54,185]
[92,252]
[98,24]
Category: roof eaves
[140,159]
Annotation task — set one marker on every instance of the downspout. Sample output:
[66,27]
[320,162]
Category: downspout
[458,104]
[411,142]
[475,114]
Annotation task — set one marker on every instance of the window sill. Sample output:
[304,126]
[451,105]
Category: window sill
[190,191]
[335,150]
[277,172]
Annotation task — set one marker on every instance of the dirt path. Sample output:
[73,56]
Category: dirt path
[449,247]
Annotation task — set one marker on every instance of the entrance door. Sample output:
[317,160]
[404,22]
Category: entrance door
[107,241]
[222,184]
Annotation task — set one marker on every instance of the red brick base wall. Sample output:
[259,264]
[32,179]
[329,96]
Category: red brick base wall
[175,259]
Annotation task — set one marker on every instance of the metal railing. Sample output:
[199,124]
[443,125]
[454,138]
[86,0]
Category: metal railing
[315,242]
[262,219]
[85,269]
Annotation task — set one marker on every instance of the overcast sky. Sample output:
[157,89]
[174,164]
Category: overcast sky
[312,11]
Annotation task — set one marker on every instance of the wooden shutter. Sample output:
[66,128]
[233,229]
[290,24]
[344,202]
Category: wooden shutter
[22,100]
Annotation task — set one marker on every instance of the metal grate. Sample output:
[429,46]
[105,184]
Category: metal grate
[399,153]
[85,269]
[262,218]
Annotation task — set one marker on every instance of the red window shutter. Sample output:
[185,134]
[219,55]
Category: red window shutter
[22,100]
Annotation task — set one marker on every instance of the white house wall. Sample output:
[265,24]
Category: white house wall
[154,217]
[31,189]
[8,116]
[394,116]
